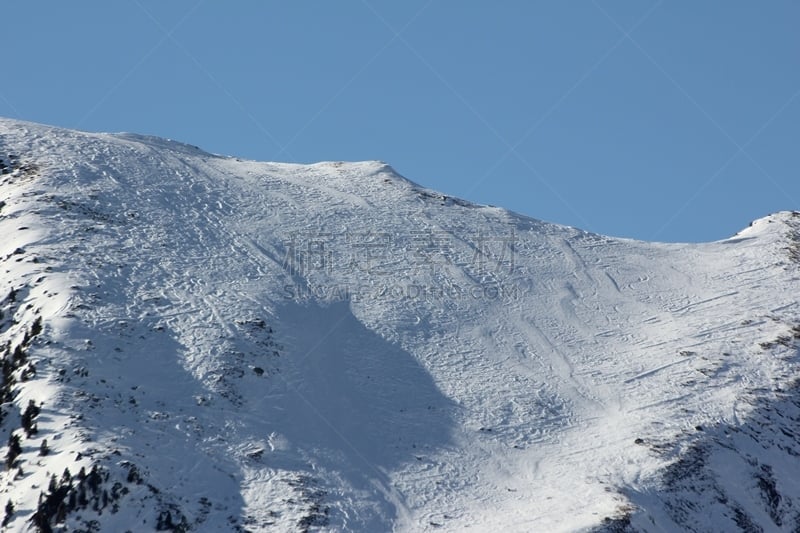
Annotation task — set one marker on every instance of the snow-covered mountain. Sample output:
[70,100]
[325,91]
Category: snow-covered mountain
[193,342]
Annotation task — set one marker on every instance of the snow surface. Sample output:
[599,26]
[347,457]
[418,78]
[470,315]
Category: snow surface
[331,347]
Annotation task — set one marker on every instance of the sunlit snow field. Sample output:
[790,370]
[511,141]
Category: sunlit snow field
[331,347]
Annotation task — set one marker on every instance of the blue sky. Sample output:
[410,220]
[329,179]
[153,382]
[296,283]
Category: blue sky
[673,120]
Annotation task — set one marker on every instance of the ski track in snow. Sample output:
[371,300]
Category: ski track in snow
[332,347]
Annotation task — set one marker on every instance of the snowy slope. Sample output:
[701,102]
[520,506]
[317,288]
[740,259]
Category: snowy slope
[230,345]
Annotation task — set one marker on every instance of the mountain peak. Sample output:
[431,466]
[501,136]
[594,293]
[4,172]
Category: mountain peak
[771,222]
[197,342]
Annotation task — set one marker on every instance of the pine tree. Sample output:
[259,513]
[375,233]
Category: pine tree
[31,412]
[9,513]
[94,480]
[18,357]
[36,328]
[61,513]
[14,449]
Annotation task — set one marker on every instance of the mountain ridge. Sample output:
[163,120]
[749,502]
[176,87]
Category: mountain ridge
[330,347]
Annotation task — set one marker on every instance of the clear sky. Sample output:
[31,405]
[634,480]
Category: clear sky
[671,120]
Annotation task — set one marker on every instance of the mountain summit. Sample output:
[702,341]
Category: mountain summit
[193,342]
